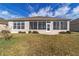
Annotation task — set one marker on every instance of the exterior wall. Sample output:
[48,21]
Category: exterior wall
[51,32]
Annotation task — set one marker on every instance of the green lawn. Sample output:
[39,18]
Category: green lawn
[37,44]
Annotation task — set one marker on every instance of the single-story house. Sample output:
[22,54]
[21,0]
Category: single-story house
[43,25]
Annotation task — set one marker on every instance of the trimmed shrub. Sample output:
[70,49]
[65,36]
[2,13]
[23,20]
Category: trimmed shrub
[62,32]
[22,32]
[35,32]
[29,32]
[67,32]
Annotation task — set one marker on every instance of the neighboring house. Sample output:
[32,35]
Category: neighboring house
[74,25]
[3,24]
[43,25]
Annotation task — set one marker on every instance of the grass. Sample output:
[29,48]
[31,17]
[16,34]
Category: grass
[40,45]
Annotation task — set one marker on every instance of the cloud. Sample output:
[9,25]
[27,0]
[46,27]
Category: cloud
[74,13]
[76,10]
[30,8]
[61,11]
[43,12]
[5,12]
[47,11]
[66,12]
[7,15]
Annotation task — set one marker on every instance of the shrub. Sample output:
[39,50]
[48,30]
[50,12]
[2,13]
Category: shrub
[62,32]
[22,32]
[67,32]
[29,32]
[35,32]
[5,31]
[6,34]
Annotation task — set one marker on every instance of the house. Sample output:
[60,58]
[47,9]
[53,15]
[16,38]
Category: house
[3,24]
[43,25]
[74,25]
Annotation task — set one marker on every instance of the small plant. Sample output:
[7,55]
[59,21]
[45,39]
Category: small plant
[6,34]
[62,32]
[35,32]
[67,32]
[29,32]
[22,32]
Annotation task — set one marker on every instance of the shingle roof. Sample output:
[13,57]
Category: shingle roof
[39,18]
[2,21]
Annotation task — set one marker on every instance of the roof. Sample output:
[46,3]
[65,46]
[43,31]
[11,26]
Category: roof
[76,21]
[2,21]
[39,19]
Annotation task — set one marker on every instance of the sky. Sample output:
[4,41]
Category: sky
[24,10]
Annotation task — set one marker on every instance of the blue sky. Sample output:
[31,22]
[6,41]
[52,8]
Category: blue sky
[22,10]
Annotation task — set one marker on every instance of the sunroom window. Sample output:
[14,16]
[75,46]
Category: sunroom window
[18,25]
[40,25]
[56,25]
[59,25]
[63,25]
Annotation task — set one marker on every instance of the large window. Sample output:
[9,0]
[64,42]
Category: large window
[56,25]
[37,25]
[18,25]
[33,25]
[63,25]
[60,25]
[42,25]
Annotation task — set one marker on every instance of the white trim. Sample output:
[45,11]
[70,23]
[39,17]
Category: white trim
[68,25]
[59,25]
[52,25]
[37,24]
